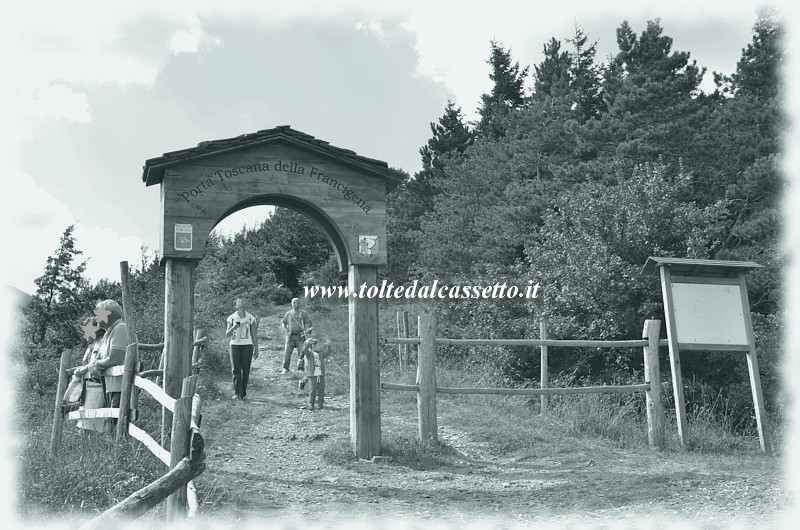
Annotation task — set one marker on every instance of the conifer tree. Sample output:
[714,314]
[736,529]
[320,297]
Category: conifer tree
[758,70]
[508,92]
[585,77]
[551,76]
[57,305]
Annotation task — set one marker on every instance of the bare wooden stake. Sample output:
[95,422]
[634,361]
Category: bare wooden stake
[400,346]
[405,347]
[128,375]
[58,411]
[652,377]
[179,449]
[426,379]
[197,352]
[544,369]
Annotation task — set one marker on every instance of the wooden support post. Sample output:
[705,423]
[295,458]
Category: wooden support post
[426,379]
[365,397]
[178,450]
[58,411]
[128,374]
[178,325]
[674,356]
[545,378]
[752,368]
[652,376]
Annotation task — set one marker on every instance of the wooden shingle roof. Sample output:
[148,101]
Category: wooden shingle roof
[153,171]
[698,267]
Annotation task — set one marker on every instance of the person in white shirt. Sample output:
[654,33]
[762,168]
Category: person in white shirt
[243,330]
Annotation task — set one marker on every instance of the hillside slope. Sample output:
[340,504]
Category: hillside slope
[268,459]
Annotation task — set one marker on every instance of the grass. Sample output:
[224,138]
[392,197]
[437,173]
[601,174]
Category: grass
[86,478]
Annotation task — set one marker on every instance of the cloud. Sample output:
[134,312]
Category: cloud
[192,38]
[104,248]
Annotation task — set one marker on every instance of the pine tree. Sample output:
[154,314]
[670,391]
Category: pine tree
[508,92]
[551,76]
[758,70]
[57,304]
[585,78]
[406,205]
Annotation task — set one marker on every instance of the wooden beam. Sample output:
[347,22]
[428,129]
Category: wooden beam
[90,414]
[160,345]
[365,397]
[400,340]
[148,441]
[392,386]
[603,389]
[540,342]
[139,502]
[525,342]
[156,391]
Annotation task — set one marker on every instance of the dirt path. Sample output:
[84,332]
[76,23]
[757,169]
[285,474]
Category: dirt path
[265,462]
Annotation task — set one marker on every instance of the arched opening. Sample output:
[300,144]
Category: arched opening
[327,225]
[344,193]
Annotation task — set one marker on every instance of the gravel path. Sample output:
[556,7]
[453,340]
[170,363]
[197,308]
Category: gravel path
[265,463]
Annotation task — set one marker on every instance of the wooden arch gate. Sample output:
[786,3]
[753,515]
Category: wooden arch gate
[344,192]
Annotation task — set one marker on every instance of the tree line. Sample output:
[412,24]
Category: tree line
[571,184]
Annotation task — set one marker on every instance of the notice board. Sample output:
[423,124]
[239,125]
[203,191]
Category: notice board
[707,313]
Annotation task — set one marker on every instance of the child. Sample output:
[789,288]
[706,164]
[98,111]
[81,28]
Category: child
[311,336]
[315,354]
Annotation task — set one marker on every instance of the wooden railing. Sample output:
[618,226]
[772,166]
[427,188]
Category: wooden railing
[186,455]
[427,388]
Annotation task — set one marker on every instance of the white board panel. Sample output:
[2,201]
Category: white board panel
[709,314]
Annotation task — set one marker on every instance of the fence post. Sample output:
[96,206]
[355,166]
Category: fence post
[128,373]
[652,376]
[399,335]
[405,336]
[197,351]
[426,379]
[178,450]
[544,378]
[58,415]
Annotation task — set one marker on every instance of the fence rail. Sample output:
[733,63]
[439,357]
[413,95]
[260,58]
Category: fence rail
[426,387]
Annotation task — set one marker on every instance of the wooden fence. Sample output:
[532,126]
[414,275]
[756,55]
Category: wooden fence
[186,455]
[426,387]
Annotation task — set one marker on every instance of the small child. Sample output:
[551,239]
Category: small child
[315,354]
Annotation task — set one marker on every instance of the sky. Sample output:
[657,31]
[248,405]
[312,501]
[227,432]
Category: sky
[92,89]
[98,88]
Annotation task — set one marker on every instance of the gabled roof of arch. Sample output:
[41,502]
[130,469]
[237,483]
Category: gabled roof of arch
[153,171]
